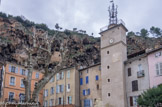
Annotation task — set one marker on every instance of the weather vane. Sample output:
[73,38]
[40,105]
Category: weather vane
[113,20]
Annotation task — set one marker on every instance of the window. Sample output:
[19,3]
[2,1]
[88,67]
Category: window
[12,80]
[107,52]
[87,71]
[13,69]
[51,102]
[81,81]
[86,92]
[87,80]
[99,68]
[11,96]
[133,100]
[108,80]
[59,88]
[37,75]
[157,54]
[22,84]
[35,84]
[108,67]
[98,87]
[69,100]
[52,79]
[140,67]
[80,73]
[87,103]
[60,76]
[68,88]
[45,92]
[159,69]
[97,78]
[129,72]
[45,103]
[135,85]
[60,100]
[22,97]
[108,94]
[22,71]
[52,90]
[68,74]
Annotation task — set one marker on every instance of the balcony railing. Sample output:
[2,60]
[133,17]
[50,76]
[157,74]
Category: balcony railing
[106,27]
[140,74]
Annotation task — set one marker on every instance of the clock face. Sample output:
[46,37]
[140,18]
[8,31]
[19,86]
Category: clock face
[111,41]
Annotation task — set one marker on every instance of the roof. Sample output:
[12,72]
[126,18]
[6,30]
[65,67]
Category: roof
[154,50]
[90,66]
[115,27]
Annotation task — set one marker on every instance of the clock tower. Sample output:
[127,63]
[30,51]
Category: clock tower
[113,56]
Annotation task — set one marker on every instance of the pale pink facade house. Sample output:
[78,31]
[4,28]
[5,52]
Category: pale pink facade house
[155,67]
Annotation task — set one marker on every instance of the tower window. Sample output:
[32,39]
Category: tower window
[108,94]
[107,52]
[108,80]
[108,67]
[129,71]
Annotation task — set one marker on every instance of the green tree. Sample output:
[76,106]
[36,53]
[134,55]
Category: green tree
[155,31]
[151,98]
[144,32]
[131,33]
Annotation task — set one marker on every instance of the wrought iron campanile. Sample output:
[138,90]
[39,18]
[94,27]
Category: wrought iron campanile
[113,20]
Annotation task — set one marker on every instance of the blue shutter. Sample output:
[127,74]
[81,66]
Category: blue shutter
[88,91]
[9,68]
[96,77]
[81,81]
[84,92]
[16,69]
[87,80]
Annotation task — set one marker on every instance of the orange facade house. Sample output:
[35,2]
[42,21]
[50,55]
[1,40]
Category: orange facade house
[11,83]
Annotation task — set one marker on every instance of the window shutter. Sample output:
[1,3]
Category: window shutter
[131,101]
[90,103]
[84,92]
[16,69]
[62,88]
[160,68]
[88,91]
[81,81]
[9,68]
[21,71]
[57,76]
[62,100]
[62,74]
[70,99]
[157,69]
[86,79]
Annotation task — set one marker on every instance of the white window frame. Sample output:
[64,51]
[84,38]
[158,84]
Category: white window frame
[14,81]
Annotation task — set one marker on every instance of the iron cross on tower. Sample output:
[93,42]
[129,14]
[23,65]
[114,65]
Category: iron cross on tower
[113,20]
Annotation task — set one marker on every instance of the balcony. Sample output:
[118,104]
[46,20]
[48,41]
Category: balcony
[140,74]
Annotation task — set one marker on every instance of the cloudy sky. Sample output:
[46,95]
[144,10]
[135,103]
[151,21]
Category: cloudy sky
[89,15]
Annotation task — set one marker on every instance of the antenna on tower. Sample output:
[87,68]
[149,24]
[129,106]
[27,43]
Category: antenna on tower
[113,20]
